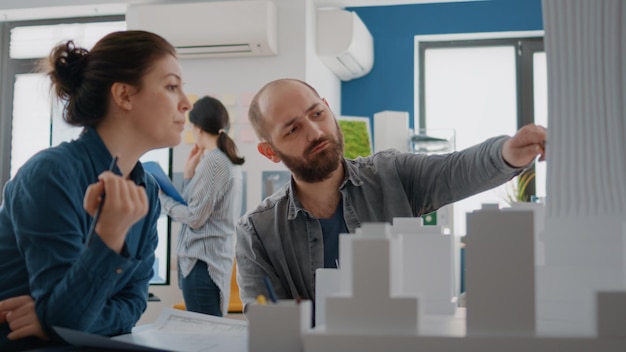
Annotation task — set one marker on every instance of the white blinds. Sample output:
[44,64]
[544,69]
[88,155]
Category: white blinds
[31,42]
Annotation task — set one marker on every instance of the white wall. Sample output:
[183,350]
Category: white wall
[246,75]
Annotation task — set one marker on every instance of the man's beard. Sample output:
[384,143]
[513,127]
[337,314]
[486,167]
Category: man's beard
[317,167]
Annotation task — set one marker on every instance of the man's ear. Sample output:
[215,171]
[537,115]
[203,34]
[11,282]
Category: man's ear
[121,94]
[267,151]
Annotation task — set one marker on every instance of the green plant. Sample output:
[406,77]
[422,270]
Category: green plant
[516,188]
[356,138]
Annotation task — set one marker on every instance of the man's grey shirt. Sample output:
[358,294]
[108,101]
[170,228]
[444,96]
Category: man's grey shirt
[281,240]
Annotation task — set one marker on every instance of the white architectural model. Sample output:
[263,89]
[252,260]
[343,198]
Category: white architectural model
[500,272]
[426,265]
[278,326]
[500,303]
[370,304]
[586,190]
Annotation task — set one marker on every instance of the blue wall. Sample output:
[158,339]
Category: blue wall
[389,86]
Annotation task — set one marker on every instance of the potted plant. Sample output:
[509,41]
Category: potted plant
[516,188]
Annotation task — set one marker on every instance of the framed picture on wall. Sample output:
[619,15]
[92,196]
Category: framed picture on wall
[271,181]
[244,193]
[357,136]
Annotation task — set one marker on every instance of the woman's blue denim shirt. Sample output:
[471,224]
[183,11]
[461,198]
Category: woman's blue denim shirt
[43,228]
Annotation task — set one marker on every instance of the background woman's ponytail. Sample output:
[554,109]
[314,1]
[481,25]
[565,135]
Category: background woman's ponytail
[210,115]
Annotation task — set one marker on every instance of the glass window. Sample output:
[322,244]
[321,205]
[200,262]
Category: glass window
[473,91]
[36,121]
[540,98]
[31,42]
[31,118]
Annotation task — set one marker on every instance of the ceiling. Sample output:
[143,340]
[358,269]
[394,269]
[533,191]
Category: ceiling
[11,10]
[360,3]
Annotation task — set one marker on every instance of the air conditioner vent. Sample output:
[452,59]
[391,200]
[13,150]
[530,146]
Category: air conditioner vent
[344,43]
[211,29]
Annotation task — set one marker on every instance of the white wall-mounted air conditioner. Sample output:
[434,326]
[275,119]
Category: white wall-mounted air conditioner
[344,43]
[211,29]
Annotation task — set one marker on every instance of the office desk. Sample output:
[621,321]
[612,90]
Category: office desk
[70,349]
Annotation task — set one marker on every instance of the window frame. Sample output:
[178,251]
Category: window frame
[11,67]
[525,47]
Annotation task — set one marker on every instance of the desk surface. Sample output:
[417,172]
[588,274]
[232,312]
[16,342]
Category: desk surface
[68,348]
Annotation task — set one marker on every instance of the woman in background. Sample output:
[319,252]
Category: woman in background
[212,188]
[127,94]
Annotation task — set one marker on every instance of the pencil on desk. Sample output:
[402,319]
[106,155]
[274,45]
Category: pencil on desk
[270,290]
[96,216]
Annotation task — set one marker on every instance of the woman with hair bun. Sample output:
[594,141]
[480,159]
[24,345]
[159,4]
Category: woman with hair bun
[212,188]
[126,93]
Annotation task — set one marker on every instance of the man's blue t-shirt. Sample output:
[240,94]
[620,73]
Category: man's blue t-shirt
[331,228]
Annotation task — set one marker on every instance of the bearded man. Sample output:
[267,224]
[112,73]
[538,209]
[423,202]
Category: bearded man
[296,230]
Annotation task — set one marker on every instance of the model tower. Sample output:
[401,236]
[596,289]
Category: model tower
[586,204]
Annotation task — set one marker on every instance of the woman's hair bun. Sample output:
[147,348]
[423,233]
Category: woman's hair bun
[67,63]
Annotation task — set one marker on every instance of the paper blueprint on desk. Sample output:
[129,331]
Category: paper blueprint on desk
[166,185]
[185,331]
